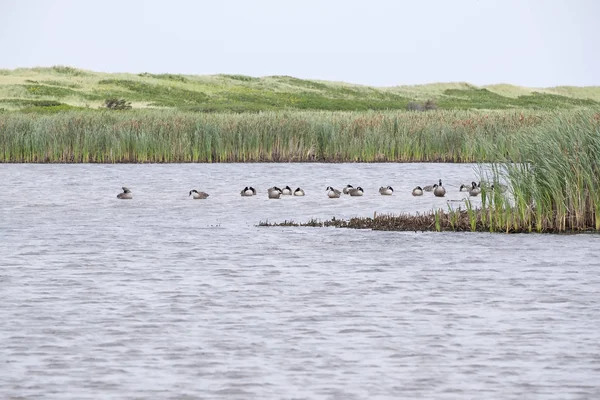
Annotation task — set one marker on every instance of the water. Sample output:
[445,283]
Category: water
[165,297]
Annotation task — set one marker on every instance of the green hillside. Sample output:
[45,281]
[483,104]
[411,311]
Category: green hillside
[61,88]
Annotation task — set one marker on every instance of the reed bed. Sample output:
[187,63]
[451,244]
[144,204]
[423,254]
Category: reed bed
[552,171]
[549,160]
[556,185]
[281,136]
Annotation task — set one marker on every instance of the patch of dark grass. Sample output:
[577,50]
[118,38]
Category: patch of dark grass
[65,70]
[161,95]
[475,98]
[168,77]
[307,101]
[39,106]
[302,83]
[58,83]
[31,102]
[551,101]
[242,78]
[54,91]
[50,109]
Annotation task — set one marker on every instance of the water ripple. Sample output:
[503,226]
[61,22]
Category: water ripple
[166,297]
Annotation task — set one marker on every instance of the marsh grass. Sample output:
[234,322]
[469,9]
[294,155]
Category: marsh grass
[554,187]
[556,184]
[172,136]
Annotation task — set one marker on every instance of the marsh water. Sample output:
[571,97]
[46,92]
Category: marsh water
[165,297]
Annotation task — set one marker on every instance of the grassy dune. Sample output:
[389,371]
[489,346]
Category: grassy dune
[61,88]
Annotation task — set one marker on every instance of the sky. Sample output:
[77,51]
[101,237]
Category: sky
[535,43]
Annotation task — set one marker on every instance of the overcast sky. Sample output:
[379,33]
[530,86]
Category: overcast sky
[537,43]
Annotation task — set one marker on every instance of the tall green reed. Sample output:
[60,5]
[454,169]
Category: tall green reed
[175,136]
[555,183]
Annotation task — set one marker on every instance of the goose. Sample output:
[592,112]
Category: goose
[196,195]
[501,188]
[274,192]
[429,188]
[298,192]
[386,191]
[418,191]
[475,189]
[464,188]
[439,190]
[346,190]
[126,195]
[248,191]
[333,193]
[286,191]
[356,192]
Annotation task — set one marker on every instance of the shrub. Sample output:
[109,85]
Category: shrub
[413,106]
[430,105]
[117,104]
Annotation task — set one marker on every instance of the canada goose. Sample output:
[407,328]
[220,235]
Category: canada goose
[126,195]
[475,189]
[333,193]
[429,188]
[418,191]
[501,188]
[286,191]
[196,195]
[356,192]
[274,192]
[346,190]
[439,190]
[298,192]
[248,191]
[386,191]
[464,188]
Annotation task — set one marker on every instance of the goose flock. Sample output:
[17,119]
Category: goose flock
[275,192]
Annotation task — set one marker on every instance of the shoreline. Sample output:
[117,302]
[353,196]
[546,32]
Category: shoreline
[243,162]
[470,220]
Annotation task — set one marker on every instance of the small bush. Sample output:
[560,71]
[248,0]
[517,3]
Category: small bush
[430,105]
[413,106]
[117,104]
